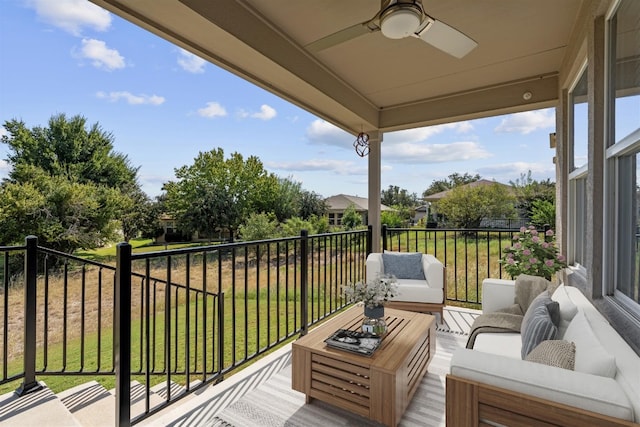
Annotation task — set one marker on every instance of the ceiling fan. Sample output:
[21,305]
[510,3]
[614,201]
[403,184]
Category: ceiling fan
[398,19]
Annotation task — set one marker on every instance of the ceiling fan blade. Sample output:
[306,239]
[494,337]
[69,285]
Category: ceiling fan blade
[342,36]
[446,38]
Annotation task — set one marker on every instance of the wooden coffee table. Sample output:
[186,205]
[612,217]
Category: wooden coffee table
[378,387]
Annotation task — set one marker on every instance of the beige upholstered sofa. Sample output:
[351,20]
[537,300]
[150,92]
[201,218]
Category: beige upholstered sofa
[492,384]
[423,289]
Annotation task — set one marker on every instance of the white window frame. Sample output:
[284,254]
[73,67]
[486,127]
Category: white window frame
[617,238]
[577,177]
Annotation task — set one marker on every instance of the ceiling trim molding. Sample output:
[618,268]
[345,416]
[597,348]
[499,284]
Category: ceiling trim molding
[478,103]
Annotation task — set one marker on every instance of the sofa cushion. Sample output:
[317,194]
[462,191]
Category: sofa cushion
[589,392]
[406,265]
[506,344]
[418,291]
[559,353]
[537,324]
[591,356]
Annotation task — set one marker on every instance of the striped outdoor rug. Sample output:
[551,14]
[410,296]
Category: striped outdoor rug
[275,404]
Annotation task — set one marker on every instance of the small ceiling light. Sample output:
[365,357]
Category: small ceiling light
[527,96]
[400,20]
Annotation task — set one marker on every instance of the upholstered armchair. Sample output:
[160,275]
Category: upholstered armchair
[421,280]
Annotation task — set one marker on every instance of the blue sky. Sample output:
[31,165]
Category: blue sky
[163,106]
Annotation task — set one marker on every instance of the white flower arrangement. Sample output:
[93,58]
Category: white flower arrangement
[373,293]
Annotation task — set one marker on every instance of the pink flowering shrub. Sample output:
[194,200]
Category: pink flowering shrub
[532,253]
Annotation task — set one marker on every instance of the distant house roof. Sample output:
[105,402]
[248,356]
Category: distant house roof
[341,202]
[437,196]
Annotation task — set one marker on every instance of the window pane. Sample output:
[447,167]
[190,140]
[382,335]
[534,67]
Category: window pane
[580,122]
[578,218]
[624,84]
[626,72]
[628,227]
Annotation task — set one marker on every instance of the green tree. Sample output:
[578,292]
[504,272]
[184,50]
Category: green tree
[67,186]
[351,219]
[527,191]
[64,215]
[293,226]
[139,214]
[392,219]
[312,204]
[396,196]
[452,181]
[217,193]
[259,226]
[320,223]
[543,213]
[68,149]
[287,200]
[465,206]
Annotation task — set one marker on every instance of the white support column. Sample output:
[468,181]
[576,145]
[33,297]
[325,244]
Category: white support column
[375,144]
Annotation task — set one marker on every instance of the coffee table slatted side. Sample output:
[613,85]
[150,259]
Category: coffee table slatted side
[419,363]
[379,387]
[347,381]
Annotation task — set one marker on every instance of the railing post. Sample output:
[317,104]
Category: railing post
[122,339]
[304,268]
[29,383]
[221,330]
[369,239]
[384,237]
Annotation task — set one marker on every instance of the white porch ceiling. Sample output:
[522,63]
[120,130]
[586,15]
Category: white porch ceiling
[372,82]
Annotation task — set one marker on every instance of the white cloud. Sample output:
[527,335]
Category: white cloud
[100,55]
[505,172]
[72,15]
[527,122]
[131,98]
[4,168]
[340,167]
[266,113]
[190,62]
[3,131]
[324,133]
[213,109]
[424,133]
[433,153]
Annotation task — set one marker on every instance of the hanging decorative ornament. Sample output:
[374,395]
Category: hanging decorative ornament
[361,144]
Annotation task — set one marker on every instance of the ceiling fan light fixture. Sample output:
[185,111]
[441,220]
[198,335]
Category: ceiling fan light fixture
[400,20]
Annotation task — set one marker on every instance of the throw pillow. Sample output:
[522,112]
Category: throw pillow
[527,288]
[559,353]
[553,306]
[591,356]
[536,327]
[567,308]
[403,265]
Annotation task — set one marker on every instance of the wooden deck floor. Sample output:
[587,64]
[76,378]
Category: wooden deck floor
[261,395]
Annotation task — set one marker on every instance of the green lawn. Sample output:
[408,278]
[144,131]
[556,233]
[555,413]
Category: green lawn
[108,253]
[282,317]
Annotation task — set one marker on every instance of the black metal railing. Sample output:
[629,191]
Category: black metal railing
[173,320]
[177,320]
[470,255]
